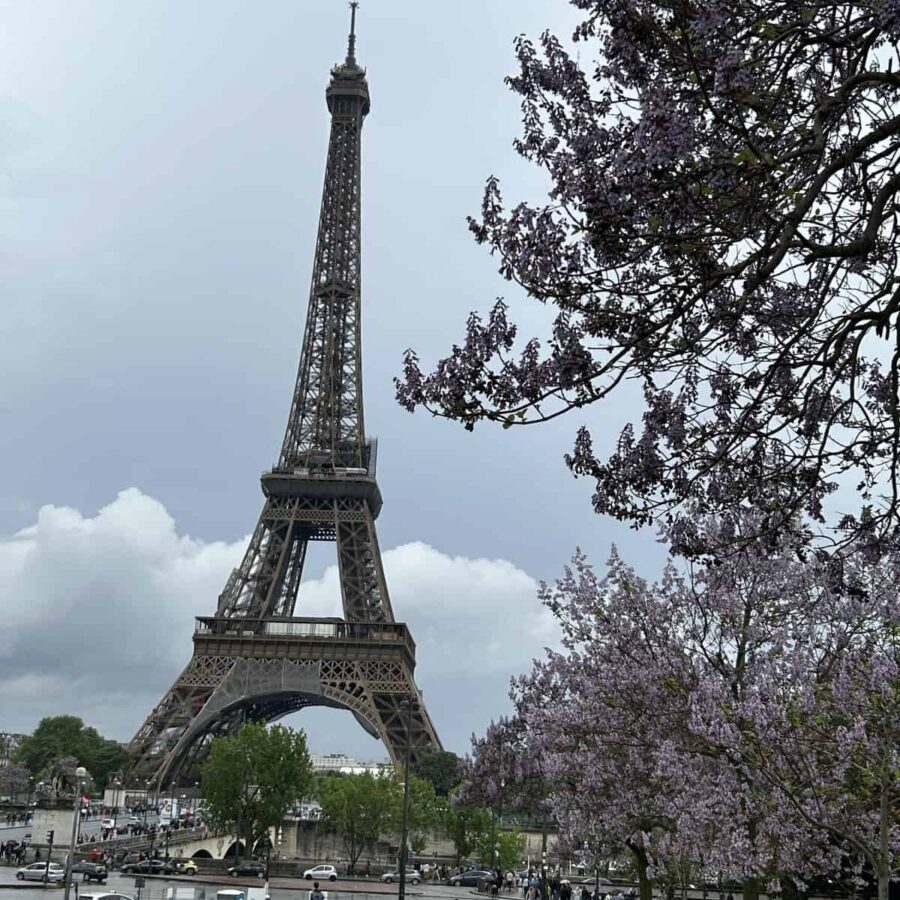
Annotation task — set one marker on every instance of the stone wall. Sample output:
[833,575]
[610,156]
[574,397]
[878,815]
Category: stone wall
[55,819]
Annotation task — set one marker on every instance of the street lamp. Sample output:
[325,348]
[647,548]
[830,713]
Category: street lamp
[80,776]
[147,800]
[410,704]
[117,784]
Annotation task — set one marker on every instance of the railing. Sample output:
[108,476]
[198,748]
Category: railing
[316,629]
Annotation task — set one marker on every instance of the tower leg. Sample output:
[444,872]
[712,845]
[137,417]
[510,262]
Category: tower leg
[363,586]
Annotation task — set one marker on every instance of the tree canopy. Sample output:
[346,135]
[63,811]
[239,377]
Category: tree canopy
[253,779]
[57,738]
[360,808]
[365,808]
[468,827]
[721,234]
[442,768]
[751,706]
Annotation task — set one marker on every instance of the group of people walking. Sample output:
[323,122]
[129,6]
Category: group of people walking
[13,852]
[17,818]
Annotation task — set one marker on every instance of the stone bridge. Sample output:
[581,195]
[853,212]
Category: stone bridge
[210,846]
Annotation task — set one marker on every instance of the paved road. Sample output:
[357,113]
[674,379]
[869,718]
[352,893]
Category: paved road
[280,889]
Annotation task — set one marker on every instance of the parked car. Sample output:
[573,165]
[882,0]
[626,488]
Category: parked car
[148,867]
[90,871]
[184,866]
[255,869]
[412,877]
[321,873]
[105,896]
[470,879]
[39,871]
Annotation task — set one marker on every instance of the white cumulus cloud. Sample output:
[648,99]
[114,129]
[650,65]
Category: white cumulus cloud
[97,619]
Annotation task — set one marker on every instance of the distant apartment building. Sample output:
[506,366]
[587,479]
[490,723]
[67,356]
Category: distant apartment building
[346,765]
[8,744]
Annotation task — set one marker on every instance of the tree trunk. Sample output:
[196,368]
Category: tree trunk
[883,865]
[751,889]
[354,851]
[645,885]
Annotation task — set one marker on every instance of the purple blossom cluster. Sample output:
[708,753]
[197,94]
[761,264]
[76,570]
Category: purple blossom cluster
[721,228]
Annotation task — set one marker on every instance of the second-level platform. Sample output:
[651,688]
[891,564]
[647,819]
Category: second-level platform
[303,638]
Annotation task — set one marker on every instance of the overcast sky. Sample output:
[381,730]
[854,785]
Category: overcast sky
[160,172]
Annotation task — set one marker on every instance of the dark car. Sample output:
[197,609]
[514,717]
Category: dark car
[90,871]
[254,869]
[470,879]
[148,867]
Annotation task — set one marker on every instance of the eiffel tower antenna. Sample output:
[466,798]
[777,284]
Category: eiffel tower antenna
[351,41]
[254,659]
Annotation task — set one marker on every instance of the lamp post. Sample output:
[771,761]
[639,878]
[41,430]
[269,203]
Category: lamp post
[40,788]
[80,776]
[410,704]
[117,784]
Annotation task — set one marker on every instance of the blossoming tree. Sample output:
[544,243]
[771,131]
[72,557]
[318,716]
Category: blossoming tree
[722,230]
[744,716]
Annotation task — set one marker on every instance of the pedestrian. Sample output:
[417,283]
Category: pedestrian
[315,893]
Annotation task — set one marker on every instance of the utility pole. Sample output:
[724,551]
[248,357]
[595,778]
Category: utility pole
[80,775]
[410,703]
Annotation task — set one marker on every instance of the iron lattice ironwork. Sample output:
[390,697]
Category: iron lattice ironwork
[254,660]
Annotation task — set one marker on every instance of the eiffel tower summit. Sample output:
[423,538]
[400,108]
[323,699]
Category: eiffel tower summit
[254,660]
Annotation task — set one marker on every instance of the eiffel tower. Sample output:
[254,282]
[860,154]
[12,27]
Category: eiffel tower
[254,660]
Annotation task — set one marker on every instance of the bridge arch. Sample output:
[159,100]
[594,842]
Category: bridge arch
[230,853]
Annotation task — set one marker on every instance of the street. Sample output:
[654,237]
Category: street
[280,888]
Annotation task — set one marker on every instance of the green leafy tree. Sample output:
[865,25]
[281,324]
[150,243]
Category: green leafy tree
[424,810]
[466,826]
[58,738]
[501,849]
[442,768]
[251,780]
[360,808]
[510,849]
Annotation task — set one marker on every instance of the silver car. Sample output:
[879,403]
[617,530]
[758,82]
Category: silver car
[412,877]
[106,895]
[38,872]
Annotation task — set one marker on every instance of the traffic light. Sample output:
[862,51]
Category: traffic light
[50,837]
